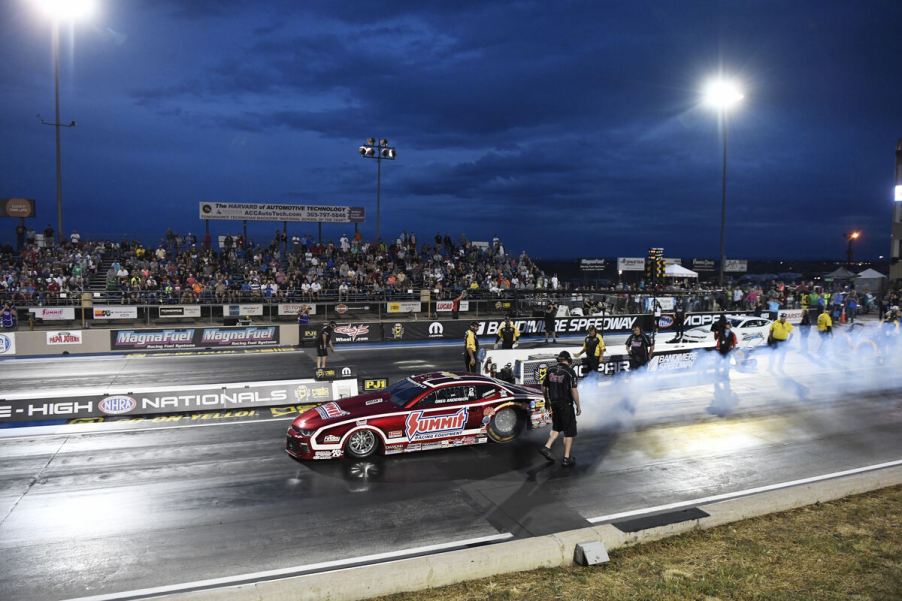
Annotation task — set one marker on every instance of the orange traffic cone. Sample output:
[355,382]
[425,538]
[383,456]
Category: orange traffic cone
[842,316]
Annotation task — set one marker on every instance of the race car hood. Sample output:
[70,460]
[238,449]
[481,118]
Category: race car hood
[362,405]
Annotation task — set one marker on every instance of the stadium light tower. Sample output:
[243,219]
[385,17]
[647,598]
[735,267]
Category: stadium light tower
[381,151]
[70,11]
[850,237]
[722,95]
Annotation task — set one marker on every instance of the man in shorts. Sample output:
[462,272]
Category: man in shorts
[323,344]
[559,387]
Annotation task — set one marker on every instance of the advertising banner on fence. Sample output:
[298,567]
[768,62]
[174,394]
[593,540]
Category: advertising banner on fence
[589,265]
[242,310]
[7,344]
[357,332]
[180,311]
[189,338]
[702,264]
[151,401]
[293,308]
[630,263]
[404,307]
[448,306]
[60,338]
[112,312]
[736,266]
[244,211]
[53,313]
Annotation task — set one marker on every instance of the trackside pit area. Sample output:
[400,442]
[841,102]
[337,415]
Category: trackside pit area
[113,508]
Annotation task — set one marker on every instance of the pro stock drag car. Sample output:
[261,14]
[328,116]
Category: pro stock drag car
[428,411]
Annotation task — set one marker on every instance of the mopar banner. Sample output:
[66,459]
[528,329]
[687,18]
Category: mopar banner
[189,338]
[168,400]
[694,320]
[180,311]
[532,370]
[53,313]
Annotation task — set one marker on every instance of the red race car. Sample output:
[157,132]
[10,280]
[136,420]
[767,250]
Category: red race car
[429,411]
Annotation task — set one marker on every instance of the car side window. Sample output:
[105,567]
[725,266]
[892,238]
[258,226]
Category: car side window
[487,391]
[455,394]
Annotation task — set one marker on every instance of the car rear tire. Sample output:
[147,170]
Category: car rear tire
[506,425]
[362,443]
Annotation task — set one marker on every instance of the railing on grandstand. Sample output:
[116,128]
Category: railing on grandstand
[377,307]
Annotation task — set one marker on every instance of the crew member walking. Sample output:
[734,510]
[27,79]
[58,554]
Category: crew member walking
[805,329]
[508,334]
[726,342]
[550,313]
[679,324]
[593,347]
[640,348]
[780,332]
[559,387]
[471,348]
[824,327]
[323,344]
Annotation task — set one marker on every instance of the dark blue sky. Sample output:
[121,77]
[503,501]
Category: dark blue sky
[568,128]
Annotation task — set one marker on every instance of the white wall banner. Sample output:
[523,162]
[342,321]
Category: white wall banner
[242,310]
[7,344]
[53,313]
[180,311]
[630,263]
[293,308]
[736,265]
[60,337]
[245,211]
[405,307]
[448,306]
[111,312]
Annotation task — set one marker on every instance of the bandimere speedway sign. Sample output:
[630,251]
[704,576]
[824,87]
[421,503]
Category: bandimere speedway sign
[192,338]
[152,401]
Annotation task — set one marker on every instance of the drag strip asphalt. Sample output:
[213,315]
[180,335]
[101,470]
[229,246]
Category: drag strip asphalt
[85,514]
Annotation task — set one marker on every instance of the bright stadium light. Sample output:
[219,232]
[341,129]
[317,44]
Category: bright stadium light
[899,193]
[383,151]
[722,94]
[67,10]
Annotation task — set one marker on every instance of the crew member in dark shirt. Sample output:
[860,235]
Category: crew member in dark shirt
[559,387]
[323,344]
[640,348]
[550,313]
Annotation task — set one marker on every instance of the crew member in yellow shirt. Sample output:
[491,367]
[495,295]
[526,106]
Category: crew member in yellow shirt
[780,332]
[471,348]
[593,347]
[508,334]
[824,327]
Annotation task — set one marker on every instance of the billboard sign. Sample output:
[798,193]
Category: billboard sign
[244,211]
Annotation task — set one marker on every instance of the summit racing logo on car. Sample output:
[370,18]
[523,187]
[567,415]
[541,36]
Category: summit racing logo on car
[420,427]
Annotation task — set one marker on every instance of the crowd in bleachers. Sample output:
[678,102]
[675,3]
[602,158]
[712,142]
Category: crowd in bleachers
[182,269]
[42,270]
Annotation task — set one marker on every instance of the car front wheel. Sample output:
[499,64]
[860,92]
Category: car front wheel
[361,443]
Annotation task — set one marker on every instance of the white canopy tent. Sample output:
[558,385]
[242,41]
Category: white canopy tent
[678,271]
[869,280]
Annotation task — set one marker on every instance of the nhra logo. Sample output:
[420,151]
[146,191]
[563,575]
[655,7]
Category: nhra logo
[6,343]
[540,372]
[419,427]
[353,331]
[436,330]
[397,331]
[115,405]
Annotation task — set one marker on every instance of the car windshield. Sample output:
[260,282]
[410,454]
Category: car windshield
[403,392]
[735,322]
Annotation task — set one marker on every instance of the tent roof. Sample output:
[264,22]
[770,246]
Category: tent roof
[841,274]
[871,273]
[678,271]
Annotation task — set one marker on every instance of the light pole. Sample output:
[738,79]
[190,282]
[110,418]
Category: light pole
[722,94]
[850,237]
[61,10]
[370,150]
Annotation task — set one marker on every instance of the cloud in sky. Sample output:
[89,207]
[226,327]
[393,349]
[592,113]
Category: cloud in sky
[569,128]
